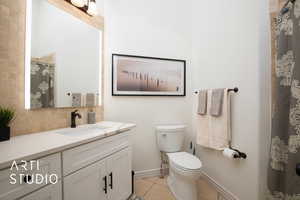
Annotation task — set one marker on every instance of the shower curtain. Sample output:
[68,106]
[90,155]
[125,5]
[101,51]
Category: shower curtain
[42,84]
[283,182]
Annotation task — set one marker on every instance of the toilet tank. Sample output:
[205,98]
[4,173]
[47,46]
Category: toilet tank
[170,138]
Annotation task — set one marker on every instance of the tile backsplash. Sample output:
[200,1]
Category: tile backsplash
[12,55]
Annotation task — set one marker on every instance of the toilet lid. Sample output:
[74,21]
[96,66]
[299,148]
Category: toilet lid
[185,160]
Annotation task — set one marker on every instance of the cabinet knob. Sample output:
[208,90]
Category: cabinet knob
[298,169]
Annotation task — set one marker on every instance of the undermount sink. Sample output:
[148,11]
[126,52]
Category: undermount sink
[98,127]
[82,130]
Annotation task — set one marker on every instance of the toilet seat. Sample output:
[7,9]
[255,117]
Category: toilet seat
[185,161]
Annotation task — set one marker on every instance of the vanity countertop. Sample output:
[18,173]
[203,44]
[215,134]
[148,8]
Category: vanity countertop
[36,145]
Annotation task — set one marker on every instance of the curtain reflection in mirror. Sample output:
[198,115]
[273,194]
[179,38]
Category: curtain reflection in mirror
[42,83]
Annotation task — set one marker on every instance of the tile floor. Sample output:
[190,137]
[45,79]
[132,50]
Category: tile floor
[155,188]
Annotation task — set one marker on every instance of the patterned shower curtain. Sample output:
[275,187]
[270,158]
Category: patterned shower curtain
[42,85]
[283,182]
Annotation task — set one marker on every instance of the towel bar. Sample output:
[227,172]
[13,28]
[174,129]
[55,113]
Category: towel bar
[229,90]
[69,94]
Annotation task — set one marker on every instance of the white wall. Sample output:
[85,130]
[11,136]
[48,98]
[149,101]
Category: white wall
[148,28]
[226,46]
[222,42]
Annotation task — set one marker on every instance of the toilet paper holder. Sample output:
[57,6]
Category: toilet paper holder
[240,154]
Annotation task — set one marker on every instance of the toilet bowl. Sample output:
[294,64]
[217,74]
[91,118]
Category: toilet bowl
[185,170]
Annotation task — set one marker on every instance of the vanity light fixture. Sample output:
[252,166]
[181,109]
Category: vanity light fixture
[92,8]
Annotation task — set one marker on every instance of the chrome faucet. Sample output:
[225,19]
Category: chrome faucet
[74,114]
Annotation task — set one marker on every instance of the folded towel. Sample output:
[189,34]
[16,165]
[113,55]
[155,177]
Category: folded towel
[216,102]
[215,132]
[76,99]
[91,100]
[202,101]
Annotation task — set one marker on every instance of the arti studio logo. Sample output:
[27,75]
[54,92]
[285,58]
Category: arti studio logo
[29,172]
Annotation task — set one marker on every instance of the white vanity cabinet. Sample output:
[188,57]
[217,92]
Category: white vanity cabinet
[107,179]
[50,192]
[96,168]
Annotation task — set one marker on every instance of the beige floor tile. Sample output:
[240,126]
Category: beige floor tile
[157,180]
[204,198]
[161,181]
[207,198]
[206,191]
[155,188]
[141,187]
[159,192]
[151,179]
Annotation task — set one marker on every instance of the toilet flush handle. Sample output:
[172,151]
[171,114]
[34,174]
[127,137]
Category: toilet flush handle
[164,135]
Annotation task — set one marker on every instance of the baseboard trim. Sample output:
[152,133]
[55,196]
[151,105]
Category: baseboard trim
[147,173]
[224,194]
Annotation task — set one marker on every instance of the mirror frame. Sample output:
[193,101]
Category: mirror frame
[95,21]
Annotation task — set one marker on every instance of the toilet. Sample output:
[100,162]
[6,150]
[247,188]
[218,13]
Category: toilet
[184,168]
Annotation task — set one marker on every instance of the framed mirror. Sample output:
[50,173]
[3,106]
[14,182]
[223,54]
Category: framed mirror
[63,59]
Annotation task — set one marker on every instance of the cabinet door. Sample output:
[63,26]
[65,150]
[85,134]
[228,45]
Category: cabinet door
[87,183]
[119,175]
[50,192]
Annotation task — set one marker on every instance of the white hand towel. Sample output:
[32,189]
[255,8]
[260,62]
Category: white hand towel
[215,132]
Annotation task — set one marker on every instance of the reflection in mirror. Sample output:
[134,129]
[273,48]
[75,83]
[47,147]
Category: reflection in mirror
[65,59]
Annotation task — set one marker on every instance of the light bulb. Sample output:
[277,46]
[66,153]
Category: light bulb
[92,10]
[78,3]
